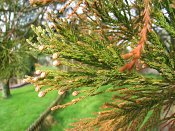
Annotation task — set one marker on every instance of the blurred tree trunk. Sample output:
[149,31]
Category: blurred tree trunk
[5,89]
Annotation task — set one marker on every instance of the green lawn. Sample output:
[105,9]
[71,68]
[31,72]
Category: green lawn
[22,108]
[83,109]
[46,68]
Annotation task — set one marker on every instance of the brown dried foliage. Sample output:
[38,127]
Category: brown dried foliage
[135,54]
[74,9]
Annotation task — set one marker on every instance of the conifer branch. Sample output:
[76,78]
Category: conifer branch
[95,40]
[135,54]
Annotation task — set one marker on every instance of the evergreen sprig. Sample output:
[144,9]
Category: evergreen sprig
[96,40]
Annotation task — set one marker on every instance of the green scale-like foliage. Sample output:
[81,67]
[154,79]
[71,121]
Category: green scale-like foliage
[96,45]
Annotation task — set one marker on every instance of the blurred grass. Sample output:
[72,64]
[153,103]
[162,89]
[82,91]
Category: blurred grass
[45,68]
[154,76]
[84,109]
[22,108]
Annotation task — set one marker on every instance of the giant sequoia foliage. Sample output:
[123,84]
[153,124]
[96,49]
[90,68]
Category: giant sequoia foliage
[97,41]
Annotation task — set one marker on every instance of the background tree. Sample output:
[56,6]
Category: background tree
[97,39]
[15,57]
